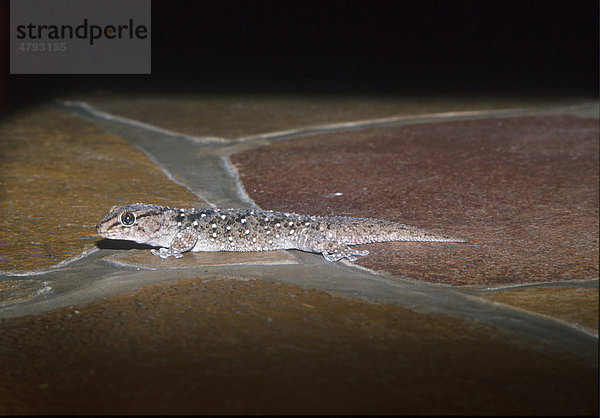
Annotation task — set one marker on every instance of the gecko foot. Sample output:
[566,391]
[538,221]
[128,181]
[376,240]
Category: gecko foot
[166,253]
[343,252]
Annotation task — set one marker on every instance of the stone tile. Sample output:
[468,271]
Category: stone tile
[59,177]
[214,345]
[578,307]
[145,259]
[523,190]
[239,116]
[16,290]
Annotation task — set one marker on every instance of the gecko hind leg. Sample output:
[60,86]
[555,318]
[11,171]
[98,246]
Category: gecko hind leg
[339,251]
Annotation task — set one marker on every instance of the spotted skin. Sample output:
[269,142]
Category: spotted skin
[176,231]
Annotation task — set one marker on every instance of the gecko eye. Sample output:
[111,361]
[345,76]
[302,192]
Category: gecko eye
[127,218]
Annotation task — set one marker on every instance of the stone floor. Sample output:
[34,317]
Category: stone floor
[504,324]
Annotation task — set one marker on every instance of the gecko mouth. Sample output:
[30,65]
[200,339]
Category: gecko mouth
[102,232]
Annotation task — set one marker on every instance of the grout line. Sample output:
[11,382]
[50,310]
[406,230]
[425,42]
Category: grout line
[553,284]
[109,116]
[431,117]
[172,177]
[122,265]
[359,124]
[535,313]
[235,176]
[16,273]
[95,113]
[285,134]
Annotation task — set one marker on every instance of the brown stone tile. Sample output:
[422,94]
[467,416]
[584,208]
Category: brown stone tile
[59,177]
[216,345]
[578,307]
[524,191]
[238,116]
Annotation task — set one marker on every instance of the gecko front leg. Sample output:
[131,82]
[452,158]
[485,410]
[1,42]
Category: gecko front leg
[183,241]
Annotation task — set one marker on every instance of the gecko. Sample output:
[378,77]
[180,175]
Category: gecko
[176,231]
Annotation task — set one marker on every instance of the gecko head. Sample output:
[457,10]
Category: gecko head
[137,222]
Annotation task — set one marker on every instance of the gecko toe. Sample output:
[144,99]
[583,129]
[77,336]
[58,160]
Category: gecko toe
[165,253]
[359,252]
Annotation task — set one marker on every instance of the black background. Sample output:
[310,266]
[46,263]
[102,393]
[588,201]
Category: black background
[479,47]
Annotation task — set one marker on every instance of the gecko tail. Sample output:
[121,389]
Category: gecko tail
[426,236]
[376,230]
[403,232]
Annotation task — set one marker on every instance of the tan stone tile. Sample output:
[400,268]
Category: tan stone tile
[216,345]
[238,116]
[523,191]
[145,259]
[16,290]
[578,307]
[59,177]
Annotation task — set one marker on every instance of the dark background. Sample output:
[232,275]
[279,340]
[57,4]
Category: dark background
[383,47]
